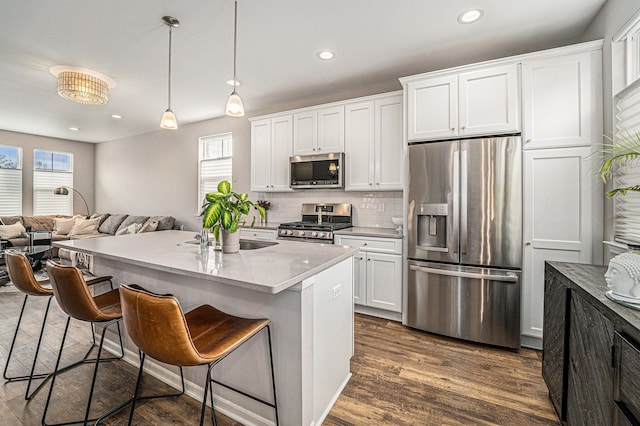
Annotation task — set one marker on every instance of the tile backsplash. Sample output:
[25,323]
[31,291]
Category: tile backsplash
[369,209]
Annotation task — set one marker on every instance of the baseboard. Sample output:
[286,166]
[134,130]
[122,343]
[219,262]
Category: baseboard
[380,313]
[531,342]
[333,400]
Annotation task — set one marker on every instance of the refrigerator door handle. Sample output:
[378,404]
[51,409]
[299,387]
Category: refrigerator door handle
[455,229]
[492,277]
[463,201]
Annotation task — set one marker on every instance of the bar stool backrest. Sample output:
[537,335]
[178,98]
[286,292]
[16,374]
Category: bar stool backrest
[21,274]
[157,326]
[72,293]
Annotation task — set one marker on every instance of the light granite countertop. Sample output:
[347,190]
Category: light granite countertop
[271,269]
[370,232]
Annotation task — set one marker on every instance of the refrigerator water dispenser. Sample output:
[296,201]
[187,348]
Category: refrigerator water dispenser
[432,226]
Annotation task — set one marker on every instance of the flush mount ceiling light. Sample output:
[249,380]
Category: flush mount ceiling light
[233,83]
[326,55]
[116,116]
[234,104]
[470,16]
[82,86]
[75,129]
[169,120]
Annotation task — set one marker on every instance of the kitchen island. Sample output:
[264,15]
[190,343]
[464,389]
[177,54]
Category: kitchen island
[306,290]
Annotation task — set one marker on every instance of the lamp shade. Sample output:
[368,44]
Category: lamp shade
[83,88]
[234,105]
[169,120]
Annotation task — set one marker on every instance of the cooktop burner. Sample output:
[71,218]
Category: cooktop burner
[318,223]
[315,225]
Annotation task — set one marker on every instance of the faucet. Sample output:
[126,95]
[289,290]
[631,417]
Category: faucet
[203,237]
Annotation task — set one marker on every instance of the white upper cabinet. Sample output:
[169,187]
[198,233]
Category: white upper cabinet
[478,102]
[559,104]
[318,131]
[271,144]
[433,108]
[488,101]
[373,144]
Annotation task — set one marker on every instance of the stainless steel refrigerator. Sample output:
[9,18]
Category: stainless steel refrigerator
[464,231]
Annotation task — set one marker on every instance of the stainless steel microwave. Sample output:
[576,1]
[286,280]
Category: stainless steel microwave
[317,171]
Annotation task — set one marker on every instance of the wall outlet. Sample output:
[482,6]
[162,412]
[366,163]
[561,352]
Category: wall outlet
[337,291]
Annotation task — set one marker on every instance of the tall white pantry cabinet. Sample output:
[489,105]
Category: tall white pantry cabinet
[557,96]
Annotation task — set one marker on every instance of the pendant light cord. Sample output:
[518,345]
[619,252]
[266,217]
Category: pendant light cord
[235,43]
[169,94]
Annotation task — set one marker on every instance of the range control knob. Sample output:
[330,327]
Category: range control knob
[301,233]
[321,234]
[314,234]
[289,232]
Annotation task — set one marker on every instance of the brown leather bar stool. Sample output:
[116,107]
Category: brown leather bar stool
[203,336]
[75,299]
[21,274]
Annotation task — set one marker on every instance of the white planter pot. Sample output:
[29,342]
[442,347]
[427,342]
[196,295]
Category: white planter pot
[230,242]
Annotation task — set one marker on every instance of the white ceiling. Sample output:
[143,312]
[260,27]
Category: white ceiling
[376,41]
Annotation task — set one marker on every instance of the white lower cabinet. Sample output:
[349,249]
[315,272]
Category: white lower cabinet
[377,272]
[259,234]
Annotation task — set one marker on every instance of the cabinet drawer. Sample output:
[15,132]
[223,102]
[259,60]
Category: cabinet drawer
[379,245]
[263,234]
[627,380]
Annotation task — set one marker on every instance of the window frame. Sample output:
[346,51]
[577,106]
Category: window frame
[202,158]
[63,176]
[629,34]
[17,171]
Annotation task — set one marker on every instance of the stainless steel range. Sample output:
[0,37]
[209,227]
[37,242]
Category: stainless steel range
[318,223]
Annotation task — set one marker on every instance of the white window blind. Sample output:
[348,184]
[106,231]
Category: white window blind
[52,170]
[215,163]
[627,207]
[10,180]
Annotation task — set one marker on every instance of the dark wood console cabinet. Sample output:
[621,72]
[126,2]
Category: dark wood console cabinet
[591,355]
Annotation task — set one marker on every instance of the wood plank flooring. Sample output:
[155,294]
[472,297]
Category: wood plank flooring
[400,377]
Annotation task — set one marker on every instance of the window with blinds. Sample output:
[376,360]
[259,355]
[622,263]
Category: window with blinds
[627,207]
[50,171]
[215,163]
[10,180]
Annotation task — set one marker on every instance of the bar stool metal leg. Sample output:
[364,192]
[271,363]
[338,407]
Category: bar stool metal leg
[31,375]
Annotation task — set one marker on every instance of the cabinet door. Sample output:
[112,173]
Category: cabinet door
[489,101]
[281,146]
[359,146]
[384,281]
[305,133]
[388,143]
[627,381]
[432,108]
[558,105]
[557,191]
[359,278]
[331,130]
[590,387]
[260,155]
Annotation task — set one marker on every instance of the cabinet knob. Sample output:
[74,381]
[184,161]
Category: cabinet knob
[370,183]
[453,128]
[313,149]
[528,140]
[528,243]
[364,244]
[319,149]
[463,127]
[368,260]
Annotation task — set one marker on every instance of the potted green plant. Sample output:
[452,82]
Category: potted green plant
[223,211]
[623,151]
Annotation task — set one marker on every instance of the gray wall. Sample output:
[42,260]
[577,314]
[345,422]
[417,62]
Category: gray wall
[609,20]
[83,166]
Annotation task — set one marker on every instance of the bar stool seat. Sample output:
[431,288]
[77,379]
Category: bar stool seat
[203,336]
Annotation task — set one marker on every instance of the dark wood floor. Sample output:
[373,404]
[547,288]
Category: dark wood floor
[400,377]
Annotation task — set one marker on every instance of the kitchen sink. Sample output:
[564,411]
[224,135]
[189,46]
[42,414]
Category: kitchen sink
[244,244]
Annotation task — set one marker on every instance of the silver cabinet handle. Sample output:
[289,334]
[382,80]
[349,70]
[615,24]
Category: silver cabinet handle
[509,278]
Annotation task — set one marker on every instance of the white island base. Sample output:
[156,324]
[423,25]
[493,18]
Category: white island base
[312,332]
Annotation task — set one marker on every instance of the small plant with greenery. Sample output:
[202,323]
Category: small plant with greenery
[226,210]
[623,151]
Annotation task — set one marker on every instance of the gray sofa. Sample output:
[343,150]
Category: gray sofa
[108,225]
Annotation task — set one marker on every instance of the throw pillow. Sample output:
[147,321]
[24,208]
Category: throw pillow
[131,229]
[102,216]
[148,227]
[164,222]
[63,225]
[83,226]
[111,224]
[133,219]
[1,222]
[12,231]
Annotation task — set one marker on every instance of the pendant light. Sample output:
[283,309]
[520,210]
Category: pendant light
[169,120]
[234,104]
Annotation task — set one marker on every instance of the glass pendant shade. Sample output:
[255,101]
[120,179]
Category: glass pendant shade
[169,120]
[234,105]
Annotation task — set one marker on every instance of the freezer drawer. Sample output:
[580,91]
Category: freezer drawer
[476,304]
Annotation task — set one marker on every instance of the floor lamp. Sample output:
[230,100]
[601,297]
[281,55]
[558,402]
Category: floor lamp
[63,190]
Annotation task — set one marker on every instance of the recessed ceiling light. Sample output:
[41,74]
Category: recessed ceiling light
[326,55]
[470,16]
[75,129]
[116,116]
[233,82]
